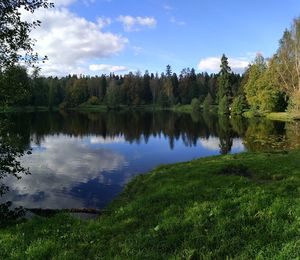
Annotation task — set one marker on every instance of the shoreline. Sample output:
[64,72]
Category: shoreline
[274,116]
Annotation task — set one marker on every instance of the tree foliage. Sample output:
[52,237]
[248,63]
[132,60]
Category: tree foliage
[252,86]
[288,58]
[270,84]
[10,153]
[113,97]
[224,94]
[208,102]
[223,107]
[196,105]
[238,105]
[15,42]
[14,86]
[224,84]
[133,88]
[263,90]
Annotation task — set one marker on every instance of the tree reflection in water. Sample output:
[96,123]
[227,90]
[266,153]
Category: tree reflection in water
[11,150]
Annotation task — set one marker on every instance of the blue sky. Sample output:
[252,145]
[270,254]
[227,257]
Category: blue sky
[116,35]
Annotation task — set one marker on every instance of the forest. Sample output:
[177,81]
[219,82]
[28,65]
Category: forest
[267,85]
[133,89]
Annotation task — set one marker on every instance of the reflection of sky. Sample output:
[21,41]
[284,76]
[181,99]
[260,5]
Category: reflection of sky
[213,144]
[73,172]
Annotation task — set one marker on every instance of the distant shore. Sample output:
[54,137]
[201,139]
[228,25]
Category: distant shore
[276,116]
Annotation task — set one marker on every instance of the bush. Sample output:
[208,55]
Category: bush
[113,96]
[196,106]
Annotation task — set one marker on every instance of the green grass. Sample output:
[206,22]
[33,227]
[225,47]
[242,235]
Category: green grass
[278,116]
[244,206]
[283,116]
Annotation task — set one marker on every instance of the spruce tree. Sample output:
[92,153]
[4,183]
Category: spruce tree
[224,85]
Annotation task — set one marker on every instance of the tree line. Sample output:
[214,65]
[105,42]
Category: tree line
[134,89]
[267,85]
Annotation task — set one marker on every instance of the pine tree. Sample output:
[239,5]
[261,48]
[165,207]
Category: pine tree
[168,71]
[224,84]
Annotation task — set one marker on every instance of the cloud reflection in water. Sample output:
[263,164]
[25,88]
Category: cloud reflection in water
[62,164]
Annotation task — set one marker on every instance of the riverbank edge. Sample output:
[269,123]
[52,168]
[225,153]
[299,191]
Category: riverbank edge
[162,212]
[96,108]
[275,116]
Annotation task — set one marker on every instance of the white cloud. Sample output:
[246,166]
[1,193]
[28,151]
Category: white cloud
[238,144]
[103,21]
[175,21]
[88,2]
[71,41]
[212,64]
[213,144]
[137,50]
[131,23]
[107,140]
[107,68]
[168,7]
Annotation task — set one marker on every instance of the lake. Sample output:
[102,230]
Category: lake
[83,160]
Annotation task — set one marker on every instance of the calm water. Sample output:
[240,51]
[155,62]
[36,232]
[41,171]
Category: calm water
[84,160]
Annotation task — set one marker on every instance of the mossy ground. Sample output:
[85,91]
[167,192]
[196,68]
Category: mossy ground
[241,206]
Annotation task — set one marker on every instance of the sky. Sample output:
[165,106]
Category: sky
[93,37]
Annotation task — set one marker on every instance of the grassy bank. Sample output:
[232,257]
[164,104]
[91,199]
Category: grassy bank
[283,116]
[278,116]
[242,206]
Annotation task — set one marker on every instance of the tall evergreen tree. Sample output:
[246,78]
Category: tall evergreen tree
[224,84]
[147,95]
[103,87]
[168,71]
